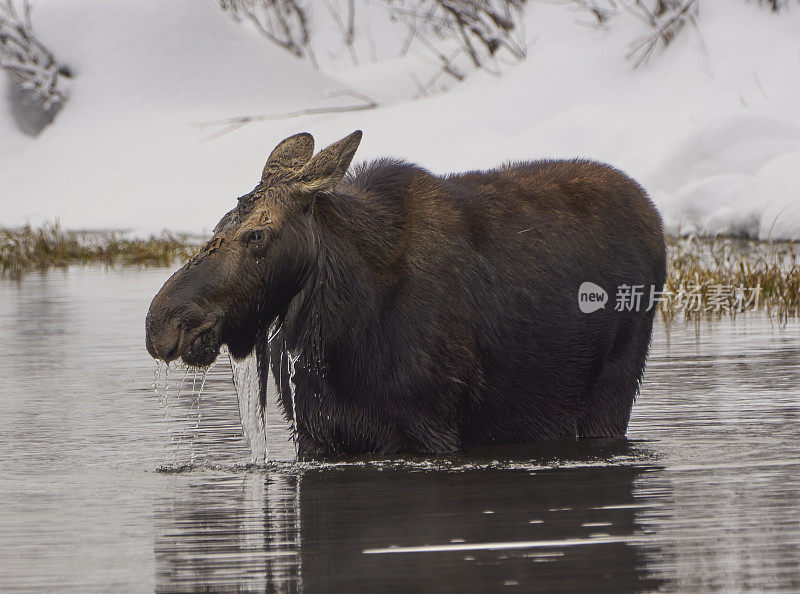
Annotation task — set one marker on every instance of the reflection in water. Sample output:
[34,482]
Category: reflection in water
[704,495]
[342,518]
[312,530]
[230,531]
[722,530]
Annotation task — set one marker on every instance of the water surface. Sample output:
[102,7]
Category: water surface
[104,488]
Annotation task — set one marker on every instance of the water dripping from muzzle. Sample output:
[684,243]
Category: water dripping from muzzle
[252,406]
[181,419]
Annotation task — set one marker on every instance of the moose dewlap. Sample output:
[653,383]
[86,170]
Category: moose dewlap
[422,313]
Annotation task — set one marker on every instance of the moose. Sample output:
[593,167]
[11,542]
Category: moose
[405,312]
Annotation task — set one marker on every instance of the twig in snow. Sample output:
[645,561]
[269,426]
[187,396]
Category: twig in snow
[229,125]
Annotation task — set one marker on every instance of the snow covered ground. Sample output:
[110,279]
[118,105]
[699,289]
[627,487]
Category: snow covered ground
[710,127]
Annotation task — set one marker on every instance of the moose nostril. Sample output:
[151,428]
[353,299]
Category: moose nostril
[165,347]
[172,353]
[162,340]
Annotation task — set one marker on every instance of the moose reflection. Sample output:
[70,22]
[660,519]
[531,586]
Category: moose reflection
[423,313]
[335,529]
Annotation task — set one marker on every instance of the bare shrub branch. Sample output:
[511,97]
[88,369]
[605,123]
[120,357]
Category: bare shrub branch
[668,19]
[283,22]
[480,28]
[29,63]
[775,5]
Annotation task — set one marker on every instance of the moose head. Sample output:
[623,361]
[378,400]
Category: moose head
[258,260]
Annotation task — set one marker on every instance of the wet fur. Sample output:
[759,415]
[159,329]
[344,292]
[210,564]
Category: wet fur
[442,312]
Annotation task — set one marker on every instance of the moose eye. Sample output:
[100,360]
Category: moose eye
[254,236]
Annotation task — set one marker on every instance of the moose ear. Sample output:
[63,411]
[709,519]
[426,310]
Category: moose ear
[327,168]
[291,155]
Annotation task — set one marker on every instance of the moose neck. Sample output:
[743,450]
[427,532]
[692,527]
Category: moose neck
[340,300]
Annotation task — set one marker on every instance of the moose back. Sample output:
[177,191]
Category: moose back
[421,313]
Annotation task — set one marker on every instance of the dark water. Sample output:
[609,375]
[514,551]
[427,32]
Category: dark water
[704,495]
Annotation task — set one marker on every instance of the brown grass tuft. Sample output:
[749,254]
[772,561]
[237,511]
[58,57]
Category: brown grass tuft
[717,276]
[26,249]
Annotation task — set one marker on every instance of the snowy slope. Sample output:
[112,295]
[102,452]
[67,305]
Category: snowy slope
[123,152]
[711,127]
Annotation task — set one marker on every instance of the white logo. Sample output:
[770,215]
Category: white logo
[591,297]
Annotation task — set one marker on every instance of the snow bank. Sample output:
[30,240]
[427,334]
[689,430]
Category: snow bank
[710,127]
[124,151]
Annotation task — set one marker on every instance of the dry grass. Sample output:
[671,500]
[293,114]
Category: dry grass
[27,249]
[716,277]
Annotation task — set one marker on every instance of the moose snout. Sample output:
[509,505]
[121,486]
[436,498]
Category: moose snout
[168,320]
[174,328]
[162,338]
[182,322]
